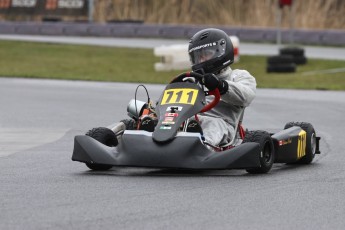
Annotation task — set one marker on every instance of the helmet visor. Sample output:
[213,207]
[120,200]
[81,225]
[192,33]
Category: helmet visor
[207,52]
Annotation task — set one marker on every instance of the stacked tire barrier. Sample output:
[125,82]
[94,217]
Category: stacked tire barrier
[296,53]
[286,61]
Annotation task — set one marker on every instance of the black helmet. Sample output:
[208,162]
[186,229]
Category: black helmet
[210,50]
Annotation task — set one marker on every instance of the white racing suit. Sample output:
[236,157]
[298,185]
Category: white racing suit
[219,123]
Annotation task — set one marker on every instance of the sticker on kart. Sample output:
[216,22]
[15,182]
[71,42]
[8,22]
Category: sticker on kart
[179,96]
[302,143]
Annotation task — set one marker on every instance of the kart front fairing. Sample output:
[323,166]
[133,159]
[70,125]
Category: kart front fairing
[186,151]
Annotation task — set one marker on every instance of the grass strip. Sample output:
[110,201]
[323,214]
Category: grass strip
[79,62]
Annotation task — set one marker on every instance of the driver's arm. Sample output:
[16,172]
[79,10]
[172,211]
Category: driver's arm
[242,88]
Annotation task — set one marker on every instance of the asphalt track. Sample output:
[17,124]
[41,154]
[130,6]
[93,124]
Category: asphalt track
[41,188]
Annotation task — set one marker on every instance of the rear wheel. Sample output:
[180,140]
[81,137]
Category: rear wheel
[106,137]
[311,141]
[264,139]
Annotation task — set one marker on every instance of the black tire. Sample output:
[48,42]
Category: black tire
[300,60]
[98,167]
[294,51]
[267,150]
[311,141]
[106,137]
[280,59]
[281,68]
[130,124]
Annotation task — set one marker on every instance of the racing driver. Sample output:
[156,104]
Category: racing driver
[211,53]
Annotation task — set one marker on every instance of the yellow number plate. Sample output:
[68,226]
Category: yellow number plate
[179,96]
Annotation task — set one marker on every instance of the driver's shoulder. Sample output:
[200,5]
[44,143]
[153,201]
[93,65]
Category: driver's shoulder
[238,74]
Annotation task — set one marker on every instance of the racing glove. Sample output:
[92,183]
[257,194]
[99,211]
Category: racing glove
[212,82]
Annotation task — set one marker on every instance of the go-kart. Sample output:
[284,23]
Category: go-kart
[170,145]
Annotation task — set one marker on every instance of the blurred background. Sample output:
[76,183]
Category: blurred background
[283,43]
[312,14]
[308,14]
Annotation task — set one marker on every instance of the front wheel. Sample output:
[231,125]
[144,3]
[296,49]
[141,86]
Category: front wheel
[264,139]
[106,137]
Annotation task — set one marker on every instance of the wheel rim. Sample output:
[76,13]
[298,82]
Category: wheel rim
[267,153]
[313,143]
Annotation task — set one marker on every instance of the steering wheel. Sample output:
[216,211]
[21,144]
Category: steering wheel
[198,77]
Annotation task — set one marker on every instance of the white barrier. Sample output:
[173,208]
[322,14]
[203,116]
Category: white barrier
[175,57]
